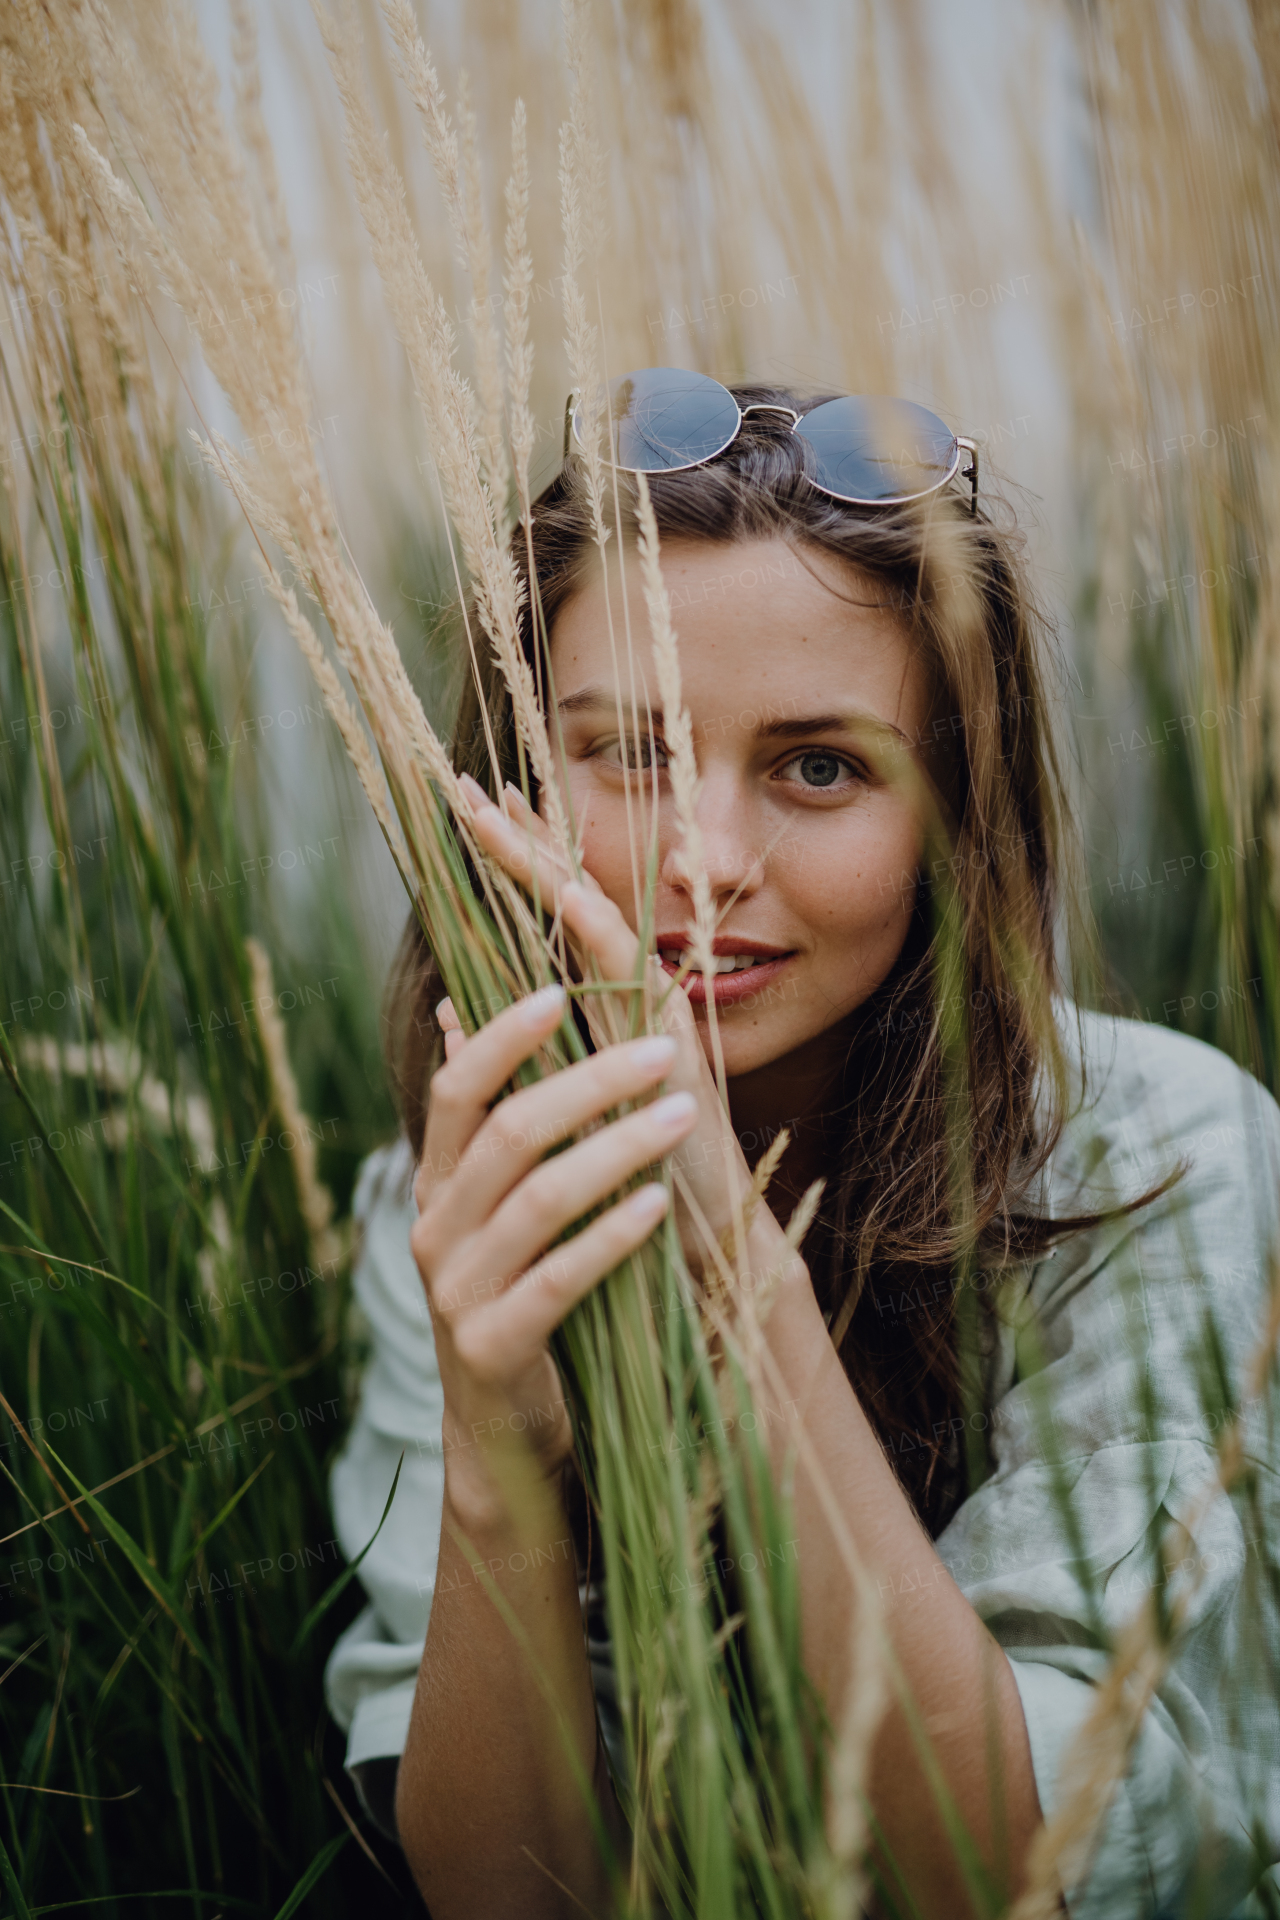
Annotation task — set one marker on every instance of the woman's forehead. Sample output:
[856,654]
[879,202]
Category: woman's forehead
[757,629]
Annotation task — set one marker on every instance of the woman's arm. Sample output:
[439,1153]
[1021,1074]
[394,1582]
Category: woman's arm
[490,1815]
[958,1674]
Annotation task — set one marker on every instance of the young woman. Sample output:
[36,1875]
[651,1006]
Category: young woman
[882,833]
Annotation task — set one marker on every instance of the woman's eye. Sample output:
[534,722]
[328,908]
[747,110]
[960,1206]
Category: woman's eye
[819,769]
[635,754]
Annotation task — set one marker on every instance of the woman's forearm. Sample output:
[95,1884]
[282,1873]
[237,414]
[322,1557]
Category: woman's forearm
[959,1677]
[489,1813]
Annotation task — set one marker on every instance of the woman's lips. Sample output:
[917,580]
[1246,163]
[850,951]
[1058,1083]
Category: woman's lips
[732,988]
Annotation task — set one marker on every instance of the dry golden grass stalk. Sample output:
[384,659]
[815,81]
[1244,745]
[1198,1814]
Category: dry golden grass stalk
[315,1201]
[422,323]
[581,193]
[457,168]
[517,282]
[688,222]
[202,206]
[253,132]
[485,331]
[259,364]
[676,725]
[1189,162]
[354,737]
[213,263]
[678,734]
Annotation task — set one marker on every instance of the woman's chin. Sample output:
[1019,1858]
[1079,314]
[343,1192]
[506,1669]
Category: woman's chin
[744,1046]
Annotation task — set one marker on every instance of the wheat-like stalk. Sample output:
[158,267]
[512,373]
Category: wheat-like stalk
[259,365]
[126,179]
[314,1199]
[517,282]
[458,437]
[581,171]
[253,132]
[615,1357]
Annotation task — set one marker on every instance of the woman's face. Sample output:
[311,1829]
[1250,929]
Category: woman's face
[806,715]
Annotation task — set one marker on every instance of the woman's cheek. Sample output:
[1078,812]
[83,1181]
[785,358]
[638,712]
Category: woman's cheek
[602,826]
[858,868]
[892,851]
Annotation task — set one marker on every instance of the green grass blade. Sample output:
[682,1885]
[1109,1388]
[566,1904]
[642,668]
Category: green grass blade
[321,1864]
[332,1593]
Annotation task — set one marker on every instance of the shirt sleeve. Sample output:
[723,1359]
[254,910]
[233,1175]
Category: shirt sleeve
[372,1671]
[1104,1433]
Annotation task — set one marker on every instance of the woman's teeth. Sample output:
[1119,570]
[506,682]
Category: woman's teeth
[720,963]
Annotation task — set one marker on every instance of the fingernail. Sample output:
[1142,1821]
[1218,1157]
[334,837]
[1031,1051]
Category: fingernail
[648,1203]
[674,1111]
[651,1054]
[445,1003]
[514,791]
[473,790]
[535,1009]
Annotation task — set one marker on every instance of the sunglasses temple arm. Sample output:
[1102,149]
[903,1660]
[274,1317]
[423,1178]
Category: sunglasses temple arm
[971,472]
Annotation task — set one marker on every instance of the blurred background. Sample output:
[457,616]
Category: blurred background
[1010,214]
[1056,224]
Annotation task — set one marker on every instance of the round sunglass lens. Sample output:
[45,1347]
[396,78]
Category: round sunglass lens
[663,418]
[869,448]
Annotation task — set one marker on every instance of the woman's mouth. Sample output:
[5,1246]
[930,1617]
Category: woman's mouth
[739,972]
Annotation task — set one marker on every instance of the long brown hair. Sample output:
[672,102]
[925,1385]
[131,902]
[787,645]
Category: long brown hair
[957,1059]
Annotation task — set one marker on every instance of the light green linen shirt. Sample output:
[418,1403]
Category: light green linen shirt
[1095,1367]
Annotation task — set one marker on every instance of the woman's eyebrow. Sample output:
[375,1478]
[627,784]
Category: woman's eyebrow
[598,700]
[792,729]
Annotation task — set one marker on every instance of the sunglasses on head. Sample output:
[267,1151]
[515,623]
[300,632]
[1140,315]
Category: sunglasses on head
[864,448]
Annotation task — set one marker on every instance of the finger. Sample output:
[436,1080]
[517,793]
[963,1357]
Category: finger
[514,836]
[518,810]
[561,1190]
[598,931]
[521,1129]
[520,848]
[466,1085]
[499,1339]
[450,1025]
[604,933]
[596,925]
[522,815]
[529,821]
[595,922]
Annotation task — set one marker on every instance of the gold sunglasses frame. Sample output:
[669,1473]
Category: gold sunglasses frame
[960,445]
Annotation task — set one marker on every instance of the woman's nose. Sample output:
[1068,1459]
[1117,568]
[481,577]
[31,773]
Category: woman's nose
[732,858]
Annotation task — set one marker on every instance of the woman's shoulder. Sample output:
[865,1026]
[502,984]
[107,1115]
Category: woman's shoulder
[384,1181]
[400,1390]
[1127,1059]
[1146,1099]
[1175,1126]
[385,1277]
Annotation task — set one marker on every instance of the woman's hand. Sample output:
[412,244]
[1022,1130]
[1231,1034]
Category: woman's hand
[490,1208]
[712,1172]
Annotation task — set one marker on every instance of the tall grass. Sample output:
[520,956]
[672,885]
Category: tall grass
[1184,336]
[163,1168]
[173,1292]
[701,1745]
